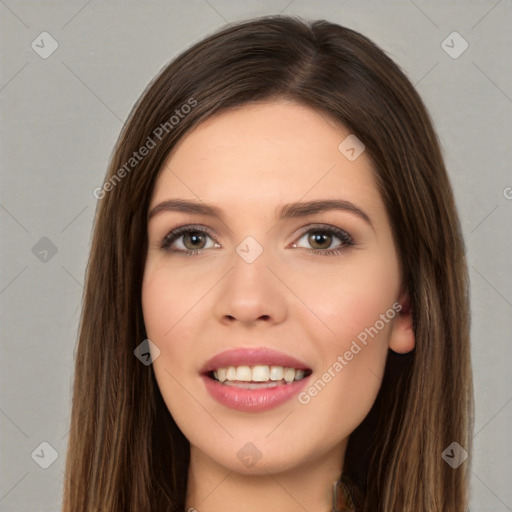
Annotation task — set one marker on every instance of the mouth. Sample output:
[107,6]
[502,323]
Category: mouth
[254,380]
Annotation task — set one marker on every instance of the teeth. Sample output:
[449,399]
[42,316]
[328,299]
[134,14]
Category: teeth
[289,374]
[231,373]
[220,374]
[244,373]
[258,373]
[276,372]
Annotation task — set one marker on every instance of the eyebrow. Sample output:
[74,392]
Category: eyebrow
[288,211]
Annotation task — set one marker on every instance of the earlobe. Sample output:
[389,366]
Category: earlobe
[402,339]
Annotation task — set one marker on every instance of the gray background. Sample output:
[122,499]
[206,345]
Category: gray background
[60,119]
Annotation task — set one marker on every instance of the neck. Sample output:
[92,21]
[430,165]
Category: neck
[214,488]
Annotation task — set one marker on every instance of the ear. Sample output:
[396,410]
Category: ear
[401,339]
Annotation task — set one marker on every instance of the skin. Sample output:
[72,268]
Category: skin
[249,162]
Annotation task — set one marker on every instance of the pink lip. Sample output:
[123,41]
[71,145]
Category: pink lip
[252,400]
[252,357]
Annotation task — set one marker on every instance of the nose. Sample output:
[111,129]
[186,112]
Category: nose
[251,294]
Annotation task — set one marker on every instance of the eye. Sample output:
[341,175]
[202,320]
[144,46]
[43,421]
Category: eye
[325,240]
[189,240]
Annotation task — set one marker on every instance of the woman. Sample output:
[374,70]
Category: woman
[277,235]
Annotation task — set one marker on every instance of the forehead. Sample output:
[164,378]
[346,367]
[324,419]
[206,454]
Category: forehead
[271,152]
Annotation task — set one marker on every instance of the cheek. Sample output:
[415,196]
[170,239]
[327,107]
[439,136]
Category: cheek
[155,301]
[169,297]
[164,316]
[174,306]
[350,298]
[165,303]
[347,383]
[356,306]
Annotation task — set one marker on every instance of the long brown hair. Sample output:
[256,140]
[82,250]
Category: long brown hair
[125,452]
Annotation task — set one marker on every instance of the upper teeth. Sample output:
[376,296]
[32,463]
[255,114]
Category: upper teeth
[258,373]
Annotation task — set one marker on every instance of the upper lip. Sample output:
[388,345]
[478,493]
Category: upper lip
[252,357]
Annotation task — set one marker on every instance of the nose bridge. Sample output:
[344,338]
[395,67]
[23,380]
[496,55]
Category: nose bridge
[250,250]
[250,291]
[250,279]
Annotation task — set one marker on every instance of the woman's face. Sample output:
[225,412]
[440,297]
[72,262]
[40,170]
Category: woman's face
[287,285]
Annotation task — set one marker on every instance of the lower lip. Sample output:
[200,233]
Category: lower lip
[252,400]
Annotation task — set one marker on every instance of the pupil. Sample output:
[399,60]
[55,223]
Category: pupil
[195,239]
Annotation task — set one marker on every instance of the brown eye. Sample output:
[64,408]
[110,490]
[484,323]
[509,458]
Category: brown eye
[319,240]
[325,240]
[188,240]
[194,240]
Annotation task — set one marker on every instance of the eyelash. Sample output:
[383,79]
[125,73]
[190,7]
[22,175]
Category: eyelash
[174,235]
